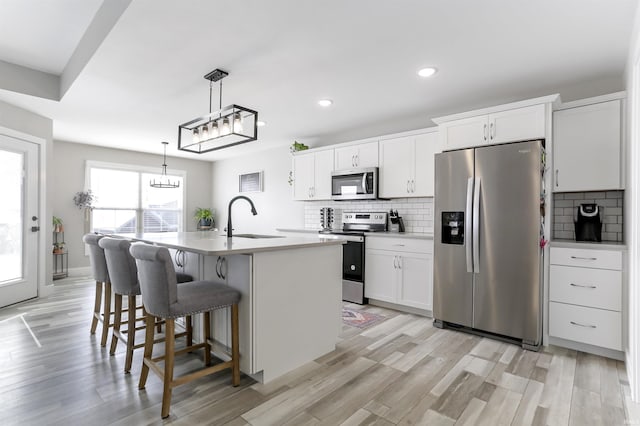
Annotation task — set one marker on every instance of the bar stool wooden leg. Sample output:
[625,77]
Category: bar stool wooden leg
[189,329]
[131,333]
[235,349]
[106,319]
[148,349]
[206,319]
[96,307]
[117,320]
[169,355]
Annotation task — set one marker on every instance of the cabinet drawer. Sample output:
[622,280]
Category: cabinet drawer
[413,245]
[587,325]
[597,288]
[603,259]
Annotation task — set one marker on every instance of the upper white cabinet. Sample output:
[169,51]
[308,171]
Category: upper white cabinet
[407,165]
[587,146]
[498,127]
[355,156]
[312,175]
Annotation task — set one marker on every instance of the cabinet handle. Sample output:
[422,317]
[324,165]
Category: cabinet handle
[398,245]
[584,258]
[218,266]
[357,160]
[313,191]
[408,186]
[413,185]
[399,262]
[484,132]
[582,286]
[492,131]
[557,177]
[395,262]
[353,161]
[224,262]
[582,325]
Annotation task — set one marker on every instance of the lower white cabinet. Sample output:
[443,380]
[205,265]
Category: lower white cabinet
[585,296]
[400,271]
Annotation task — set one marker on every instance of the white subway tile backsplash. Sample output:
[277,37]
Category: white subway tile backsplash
[611,203]
[417,213]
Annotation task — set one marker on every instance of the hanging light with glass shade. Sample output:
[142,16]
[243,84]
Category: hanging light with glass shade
[164,181]
[229,126]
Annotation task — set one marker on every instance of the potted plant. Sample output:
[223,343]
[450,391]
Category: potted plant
[58,248]
[57,224]
[84,199]
[204,217]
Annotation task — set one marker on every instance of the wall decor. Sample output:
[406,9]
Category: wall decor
[251,182]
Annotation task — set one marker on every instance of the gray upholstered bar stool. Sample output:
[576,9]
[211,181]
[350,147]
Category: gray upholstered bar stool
[101,276]
[163,298]
[124,282]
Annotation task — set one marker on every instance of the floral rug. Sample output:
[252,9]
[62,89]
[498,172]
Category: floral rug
[360,319]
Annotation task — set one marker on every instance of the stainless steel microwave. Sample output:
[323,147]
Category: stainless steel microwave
[355,184]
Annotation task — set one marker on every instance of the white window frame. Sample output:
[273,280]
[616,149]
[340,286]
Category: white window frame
[139,169]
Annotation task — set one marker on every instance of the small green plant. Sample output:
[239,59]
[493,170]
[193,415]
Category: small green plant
[297,146]
[58,226]
[58,247]
[84,200]
[204,217]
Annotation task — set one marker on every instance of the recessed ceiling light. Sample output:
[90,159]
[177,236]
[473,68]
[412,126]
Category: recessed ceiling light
[261,123]
[325,102]
[427,72]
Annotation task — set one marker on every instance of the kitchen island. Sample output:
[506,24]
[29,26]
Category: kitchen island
[290,311]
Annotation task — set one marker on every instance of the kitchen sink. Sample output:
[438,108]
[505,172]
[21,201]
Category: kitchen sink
[257,236]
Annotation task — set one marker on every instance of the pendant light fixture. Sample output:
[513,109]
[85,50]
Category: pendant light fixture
[229,126]
[164,181]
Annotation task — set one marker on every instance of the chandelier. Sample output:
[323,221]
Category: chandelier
[229,126]
[164,181]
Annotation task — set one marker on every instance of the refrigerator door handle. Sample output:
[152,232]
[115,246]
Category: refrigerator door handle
[476,226]
[468,221]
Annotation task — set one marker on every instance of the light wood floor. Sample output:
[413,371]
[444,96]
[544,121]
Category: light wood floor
[401,371]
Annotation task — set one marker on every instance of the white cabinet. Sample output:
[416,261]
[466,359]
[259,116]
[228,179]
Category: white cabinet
[585,296]
[355,156]
[400,271]
[312,175]
[510,125]
[407,166]
[587,147]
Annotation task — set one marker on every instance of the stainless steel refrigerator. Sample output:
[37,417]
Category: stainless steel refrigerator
[487,255]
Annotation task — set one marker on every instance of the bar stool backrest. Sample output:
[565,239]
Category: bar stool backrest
[121,265]
[96,257]
[157,278]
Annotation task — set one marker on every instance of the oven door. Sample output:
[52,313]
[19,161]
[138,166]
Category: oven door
[356,184]
[353,272]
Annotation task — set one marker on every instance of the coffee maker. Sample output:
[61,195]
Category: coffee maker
[588,223]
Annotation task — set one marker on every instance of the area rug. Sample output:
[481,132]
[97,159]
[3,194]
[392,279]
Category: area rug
[360,319]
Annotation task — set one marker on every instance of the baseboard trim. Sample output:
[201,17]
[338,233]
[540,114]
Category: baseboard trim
[402,308]
[583,347]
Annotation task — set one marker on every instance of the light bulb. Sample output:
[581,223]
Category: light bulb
[427,72]
[196,136]
[225,127]
[237,123]
[214,132]
[205,132]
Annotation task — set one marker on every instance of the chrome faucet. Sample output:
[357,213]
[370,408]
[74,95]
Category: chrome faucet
[253,210]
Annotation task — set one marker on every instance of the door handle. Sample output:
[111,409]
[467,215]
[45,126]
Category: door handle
[468,224]
[476,225]
[582,325]
[582,286]
[584,258]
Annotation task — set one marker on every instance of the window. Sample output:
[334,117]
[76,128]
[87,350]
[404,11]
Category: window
[125,202]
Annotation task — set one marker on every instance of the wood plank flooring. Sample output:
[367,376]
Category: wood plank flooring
[402,371]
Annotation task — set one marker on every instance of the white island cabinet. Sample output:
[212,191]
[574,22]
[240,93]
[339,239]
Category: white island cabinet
[290,311]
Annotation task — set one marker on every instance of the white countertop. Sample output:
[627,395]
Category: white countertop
[607,245]
[418,235]
[212,243]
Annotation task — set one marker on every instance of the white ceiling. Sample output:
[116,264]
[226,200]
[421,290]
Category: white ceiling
[283,55]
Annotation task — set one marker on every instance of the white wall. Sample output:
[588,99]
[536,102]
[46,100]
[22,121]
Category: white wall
[68,171]
[275,206]
[632,211]
[14,119]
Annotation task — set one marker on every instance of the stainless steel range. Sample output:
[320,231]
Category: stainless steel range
[354,226]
